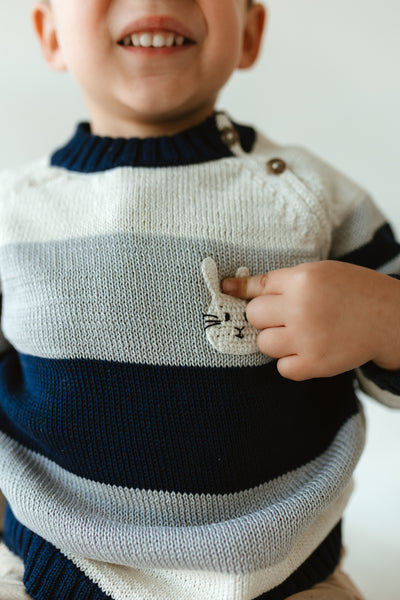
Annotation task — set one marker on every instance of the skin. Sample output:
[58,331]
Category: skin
[133,94]
[324,318]
[318,319]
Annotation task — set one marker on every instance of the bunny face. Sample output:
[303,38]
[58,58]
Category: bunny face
[226,325]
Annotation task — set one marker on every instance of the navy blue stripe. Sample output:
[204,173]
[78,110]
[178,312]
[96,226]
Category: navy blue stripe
[87,153]
[49,575]
[183,429]
[381,249]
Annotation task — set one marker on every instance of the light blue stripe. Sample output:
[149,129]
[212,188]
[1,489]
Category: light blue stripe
[124,297]
[357,229]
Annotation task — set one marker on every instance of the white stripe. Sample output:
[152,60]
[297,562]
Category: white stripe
[233,199]
[123,583]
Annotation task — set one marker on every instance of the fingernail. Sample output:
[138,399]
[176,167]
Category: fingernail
[229,285]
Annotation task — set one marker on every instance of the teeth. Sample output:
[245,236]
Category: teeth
[158,40]
[148,39]
[135,39]
[170,40]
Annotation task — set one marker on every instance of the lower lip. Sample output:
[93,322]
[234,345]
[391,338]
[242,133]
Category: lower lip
[165,51]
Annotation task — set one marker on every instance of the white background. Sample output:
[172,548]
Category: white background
[328,78]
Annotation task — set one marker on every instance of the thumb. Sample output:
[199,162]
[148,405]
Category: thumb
[247,287]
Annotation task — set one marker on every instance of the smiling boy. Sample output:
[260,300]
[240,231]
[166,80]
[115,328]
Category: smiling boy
[159,437]
[149,91]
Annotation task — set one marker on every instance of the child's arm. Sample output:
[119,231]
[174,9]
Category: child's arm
[321,319]
[4,348]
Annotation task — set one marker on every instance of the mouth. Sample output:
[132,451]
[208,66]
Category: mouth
[155,39]
[157,31]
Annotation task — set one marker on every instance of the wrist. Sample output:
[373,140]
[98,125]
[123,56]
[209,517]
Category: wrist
[388,326]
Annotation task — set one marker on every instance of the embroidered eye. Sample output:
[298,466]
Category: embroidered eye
[227,316]
[245,317]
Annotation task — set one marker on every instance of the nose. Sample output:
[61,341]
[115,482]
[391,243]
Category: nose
[240,334]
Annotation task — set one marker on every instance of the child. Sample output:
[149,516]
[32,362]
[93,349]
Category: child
[151,447]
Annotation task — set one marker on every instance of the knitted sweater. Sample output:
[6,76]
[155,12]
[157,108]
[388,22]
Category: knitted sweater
[148,450]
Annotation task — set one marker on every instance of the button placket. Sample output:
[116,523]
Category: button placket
[276,166]
[229,136]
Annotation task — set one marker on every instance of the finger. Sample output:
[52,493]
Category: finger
[292,367]
[250,287]
[275,342]
[266,311]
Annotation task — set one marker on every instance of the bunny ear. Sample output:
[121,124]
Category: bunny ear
[210,273]
[242,272]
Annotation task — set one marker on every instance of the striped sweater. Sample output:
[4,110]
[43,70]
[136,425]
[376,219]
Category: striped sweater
[148,450]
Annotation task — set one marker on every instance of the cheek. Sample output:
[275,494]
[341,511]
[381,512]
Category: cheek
[220,59]
[84,59]
[81,34]
[225,32]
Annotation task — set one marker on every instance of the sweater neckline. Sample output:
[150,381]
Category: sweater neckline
[89,153]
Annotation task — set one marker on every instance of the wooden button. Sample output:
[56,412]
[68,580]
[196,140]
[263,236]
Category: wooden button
[276,166]
[229,136]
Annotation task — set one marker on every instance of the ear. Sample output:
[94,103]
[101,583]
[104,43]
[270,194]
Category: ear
[45,29]
[210,274]
[242,272]
[252,36]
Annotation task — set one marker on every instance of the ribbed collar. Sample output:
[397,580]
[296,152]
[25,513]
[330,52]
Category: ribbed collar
[88,153]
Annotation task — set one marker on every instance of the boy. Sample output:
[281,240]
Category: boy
[151,447]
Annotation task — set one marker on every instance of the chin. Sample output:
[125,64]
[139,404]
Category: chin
[160,112]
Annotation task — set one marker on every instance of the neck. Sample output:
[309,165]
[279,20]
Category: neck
[106,125]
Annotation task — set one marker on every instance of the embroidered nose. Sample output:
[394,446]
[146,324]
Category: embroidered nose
[240,334]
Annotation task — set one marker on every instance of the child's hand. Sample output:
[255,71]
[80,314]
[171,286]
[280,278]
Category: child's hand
[324,318]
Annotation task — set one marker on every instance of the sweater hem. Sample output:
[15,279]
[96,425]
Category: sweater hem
[49,574]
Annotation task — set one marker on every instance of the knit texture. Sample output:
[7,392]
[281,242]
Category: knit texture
[148,450]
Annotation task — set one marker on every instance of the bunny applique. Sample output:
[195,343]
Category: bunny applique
[226,325]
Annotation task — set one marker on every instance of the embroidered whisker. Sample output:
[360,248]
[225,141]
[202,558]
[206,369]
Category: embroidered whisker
[212,324]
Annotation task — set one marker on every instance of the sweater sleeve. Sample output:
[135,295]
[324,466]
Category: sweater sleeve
[4,348]
[356,232]
[364,237]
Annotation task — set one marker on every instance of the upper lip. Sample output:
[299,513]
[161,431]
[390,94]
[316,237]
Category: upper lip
[157,23]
